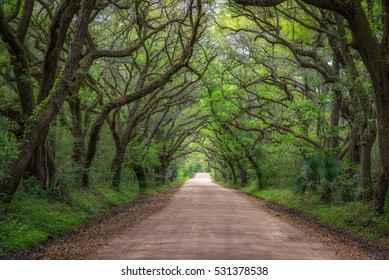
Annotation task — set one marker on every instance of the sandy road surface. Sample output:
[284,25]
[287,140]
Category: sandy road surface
[206,221]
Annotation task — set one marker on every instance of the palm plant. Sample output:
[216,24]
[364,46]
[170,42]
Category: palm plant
[322,171]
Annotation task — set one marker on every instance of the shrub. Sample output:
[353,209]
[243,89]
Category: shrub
[322,172]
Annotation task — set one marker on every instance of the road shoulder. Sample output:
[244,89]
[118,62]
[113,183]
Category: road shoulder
[346,243]
[84,241]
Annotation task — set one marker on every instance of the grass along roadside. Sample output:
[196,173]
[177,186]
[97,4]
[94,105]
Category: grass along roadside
[354,215]
[35,215]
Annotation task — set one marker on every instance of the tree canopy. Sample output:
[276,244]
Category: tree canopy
[278,92]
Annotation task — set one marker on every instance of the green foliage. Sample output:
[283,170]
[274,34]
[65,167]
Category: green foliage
[265,101]
[350,188]
[33,187]
[29,220]
[8,145]
[322,171]
[278,170]
[194,163]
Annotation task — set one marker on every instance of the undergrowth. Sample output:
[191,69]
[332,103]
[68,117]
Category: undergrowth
[35,213]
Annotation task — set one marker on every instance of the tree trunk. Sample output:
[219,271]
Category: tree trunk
[162,170]
[382,104]
[42,165]
[78,154]
[40,127]
[243,174]
[334,140]
[366,172]
[380,195]
[258,172]
[354,150]
[173,174]
[92,145]
[57,37]
[117,166]
[366,148]
[140,175]
[233,178]
[375,58]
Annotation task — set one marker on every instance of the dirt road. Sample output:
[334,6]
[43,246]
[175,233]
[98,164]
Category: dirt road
[206,221]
